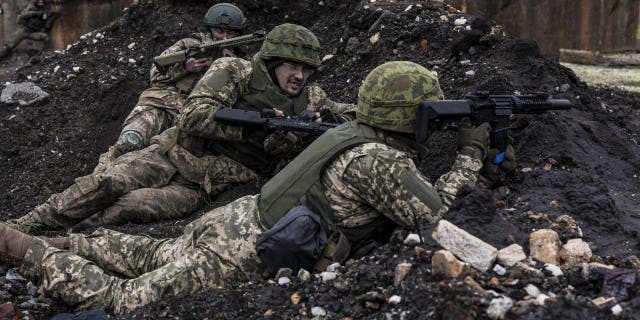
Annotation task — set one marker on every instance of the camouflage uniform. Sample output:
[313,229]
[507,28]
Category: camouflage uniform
[362,184]
[34,23]
[172,176]
[158,107]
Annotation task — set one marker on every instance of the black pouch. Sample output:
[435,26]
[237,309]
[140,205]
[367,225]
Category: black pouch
[296,241]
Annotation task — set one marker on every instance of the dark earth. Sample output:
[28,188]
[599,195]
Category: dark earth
[583,162]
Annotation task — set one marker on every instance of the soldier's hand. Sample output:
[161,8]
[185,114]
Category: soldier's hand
[492,172]
[196,65]
[278,143]
[474,137]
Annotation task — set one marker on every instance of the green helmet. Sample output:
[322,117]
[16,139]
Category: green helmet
[390,94]
[292,42]
[226,16]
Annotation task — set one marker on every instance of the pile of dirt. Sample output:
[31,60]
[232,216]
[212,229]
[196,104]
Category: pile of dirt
[583,162]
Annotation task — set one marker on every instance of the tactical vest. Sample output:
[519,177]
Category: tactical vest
[299,182]
[261,93]
[36,23]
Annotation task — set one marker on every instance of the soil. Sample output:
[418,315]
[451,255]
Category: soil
[583,162]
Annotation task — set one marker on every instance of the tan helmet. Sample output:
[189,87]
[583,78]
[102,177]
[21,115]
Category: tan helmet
[226,16]
[292,42]
[389,96]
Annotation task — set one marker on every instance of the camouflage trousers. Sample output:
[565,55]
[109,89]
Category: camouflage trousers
[19,35]
[148,121]
[118,272]
[140,186]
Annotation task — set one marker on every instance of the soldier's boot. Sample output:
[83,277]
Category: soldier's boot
[31,222]
[13,244]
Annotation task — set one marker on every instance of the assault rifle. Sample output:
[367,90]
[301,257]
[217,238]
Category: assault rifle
[482,107]
[267,119]
[207,50]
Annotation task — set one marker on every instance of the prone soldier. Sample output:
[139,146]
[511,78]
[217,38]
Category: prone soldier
[352,182]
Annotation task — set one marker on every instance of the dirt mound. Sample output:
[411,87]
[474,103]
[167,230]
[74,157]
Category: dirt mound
[582,162]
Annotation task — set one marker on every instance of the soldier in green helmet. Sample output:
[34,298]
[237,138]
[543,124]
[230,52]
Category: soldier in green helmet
[354,181]
[158,107]
[199,157]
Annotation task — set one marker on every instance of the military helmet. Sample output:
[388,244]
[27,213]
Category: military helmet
[292,42]
[226,16]
[390,94]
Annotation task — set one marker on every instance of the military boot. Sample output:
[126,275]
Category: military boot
[13,244]
[29,223]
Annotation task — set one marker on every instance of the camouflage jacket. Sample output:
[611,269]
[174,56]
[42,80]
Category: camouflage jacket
[223,84]
[369,182]
[169,89]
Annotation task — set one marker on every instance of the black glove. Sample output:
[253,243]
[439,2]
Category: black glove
[328,116]
[493,173]
[474,137]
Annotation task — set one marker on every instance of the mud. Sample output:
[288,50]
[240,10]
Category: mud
[582,162]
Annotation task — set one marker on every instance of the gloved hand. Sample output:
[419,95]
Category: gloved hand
[474,137]
[492,173]
[328,116]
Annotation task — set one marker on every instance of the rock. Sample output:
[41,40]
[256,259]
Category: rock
[284,281]
[76,69]
[352,45]
[304,275]
[327,57]
[131,45]
[541,299]
[268,314]
[412,239]
[470,73]
[526,273]
[575,251]
[12,275]
[567,227]
[532,290]
[394,299]
[56,68]
[595,271]
[131,61]
[318,312]
[341,285]
[465,246]
[616,310]
[333,267]
[23,93]
[499,270]
[445,263]
[284,272]
[468,280]
[553,270]
[444,18]
[498,307]
[601,302]
[374,38]
[371,296]
[295,298]
[7,311]
[544,245]
[564,87]
[402,269]
[328,276]
[460,21]
[510,255]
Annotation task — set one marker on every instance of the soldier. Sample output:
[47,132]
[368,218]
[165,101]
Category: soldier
[173,176]
[158,107]
[359,177]
[35,22]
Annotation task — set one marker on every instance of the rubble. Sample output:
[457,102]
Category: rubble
[23,94]
[445,263]
[544,245]
[465,246]
[575,252]
[510,255]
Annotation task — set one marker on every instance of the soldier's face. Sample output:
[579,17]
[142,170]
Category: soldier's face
[223,34]
[292,77]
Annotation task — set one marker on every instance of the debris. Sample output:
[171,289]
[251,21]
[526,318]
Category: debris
[553,269]
[460,21]
[473,284]
[602,301]
[499,270]
[328,276]
[295,298]
[327,58]
[318,312]
[394,299]
[284,272]
[131,45]
[508,256]
[333,267]
[498,307]
[544,245]
[304,275]
[402,269]
[412,239]
[56,68]
[445,263]
[465,246]
[76,69]
[374,38]
[470,73]
[283,281]
[616,310]
[23,94]
[532,290]
[575,251]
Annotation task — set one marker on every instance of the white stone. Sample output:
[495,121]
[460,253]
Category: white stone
[460,21]
[412,239]
[76,69]
[532,290]
[402,269]
[394,299]
[374,38]
[131,45]
[327,57]
[132,61]
[328,276]
[56,68]
[575,251]
[526,169]
[333,267]
[304,275]
[94,41]
[465,246]
[510,255]
[318,312]
[408,8]
[69,47]
[555,270]
[498,307]
[544,245]
[284,280]
[541,299]
[465,62]
[499,270]
[616,310]
[470,73]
